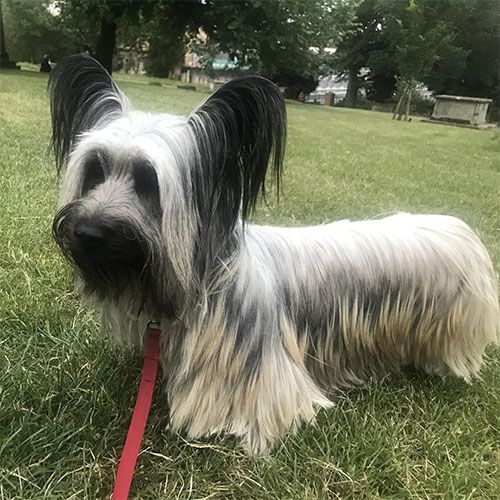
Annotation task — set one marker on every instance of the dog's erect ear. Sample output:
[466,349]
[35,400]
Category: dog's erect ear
[239,129]
[82,96]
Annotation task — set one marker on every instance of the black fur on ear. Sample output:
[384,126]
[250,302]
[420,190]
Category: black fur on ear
[239,130]
[82,96]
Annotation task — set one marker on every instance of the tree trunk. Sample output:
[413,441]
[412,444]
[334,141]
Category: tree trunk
[3,52]
[5,62]
[351,96]
[107,37]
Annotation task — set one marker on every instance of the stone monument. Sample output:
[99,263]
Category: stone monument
[460,110]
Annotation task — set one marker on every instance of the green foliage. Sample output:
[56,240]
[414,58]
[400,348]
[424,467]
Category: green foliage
[82,19]
[275,38]
[380,82]
[282,39]
[31,31]
[365,45]
[167,29]
[417,34]
[471,64]
[419,106]
[361,103]
[164,54]
[54,27]
[97,22]
[450,45]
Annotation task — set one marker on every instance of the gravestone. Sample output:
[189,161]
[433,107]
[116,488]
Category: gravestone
[329,99]
[460,110]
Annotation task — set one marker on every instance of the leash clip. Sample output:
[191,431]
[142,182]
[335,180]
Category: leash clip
[153,325]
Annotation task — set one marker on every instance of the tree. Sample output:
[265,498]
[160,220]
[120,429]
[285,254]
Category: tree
[5,61]
[366,54]
[363,45]
[167,31]
[283,40]
[393,41]
[33,30]
[420,38]
[471,64]
[105,46]
[159,24]
[449,45]
[96,23]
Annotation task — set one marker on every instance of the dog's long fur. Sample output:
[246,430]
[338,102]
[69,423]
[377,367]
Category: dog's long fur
[259,323]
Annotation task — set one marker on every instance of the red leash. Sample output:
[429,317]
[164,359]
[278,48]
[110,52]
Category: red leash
[139,417]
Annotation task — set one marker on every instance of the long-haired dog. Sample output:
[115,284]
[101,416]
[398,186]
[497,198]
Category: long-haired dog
[258,323]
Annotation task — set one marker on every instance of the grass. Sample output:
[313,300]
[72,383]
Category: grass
[66,394]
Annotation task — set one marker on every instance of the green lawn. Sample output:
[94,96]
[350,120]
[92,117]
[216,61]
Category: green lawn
[66,394]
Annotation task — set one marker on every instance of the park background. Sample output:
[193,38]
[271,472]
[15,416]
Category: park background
[66,394]
[381,51]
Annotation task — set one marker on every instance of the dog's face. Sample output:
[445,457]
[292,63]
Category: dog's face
[111,223]
[149,202]
[112,228]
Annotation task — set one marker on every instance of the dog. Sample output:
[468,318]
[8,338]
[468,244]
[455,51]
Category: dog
[258,323]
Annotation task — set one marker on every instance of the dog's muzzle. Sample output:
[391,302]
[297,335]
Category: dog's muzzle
[104,250]
[91,238]
[103,241]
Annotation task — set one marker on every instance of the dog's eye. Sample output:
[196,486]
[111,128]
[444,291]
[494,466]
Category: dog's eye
[146,186]
[94,174]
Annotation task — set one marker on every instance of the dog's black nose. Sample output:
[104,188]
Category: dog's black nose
[91,236]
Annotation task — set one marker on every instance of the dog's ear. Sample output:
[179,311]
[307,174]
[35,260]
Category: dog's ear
[239,130]
[82,96]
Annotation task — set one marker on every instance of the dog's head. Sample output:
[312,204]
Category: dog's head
[150,202]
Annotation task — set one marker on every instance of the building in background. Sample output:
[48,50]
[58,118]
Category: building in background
[333,86]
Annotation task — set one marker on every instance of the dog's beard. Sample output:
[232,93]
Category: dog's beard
[111,255]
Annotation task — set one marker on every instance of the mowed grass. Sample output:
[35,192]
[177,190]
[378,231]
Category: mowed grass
[66,394]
